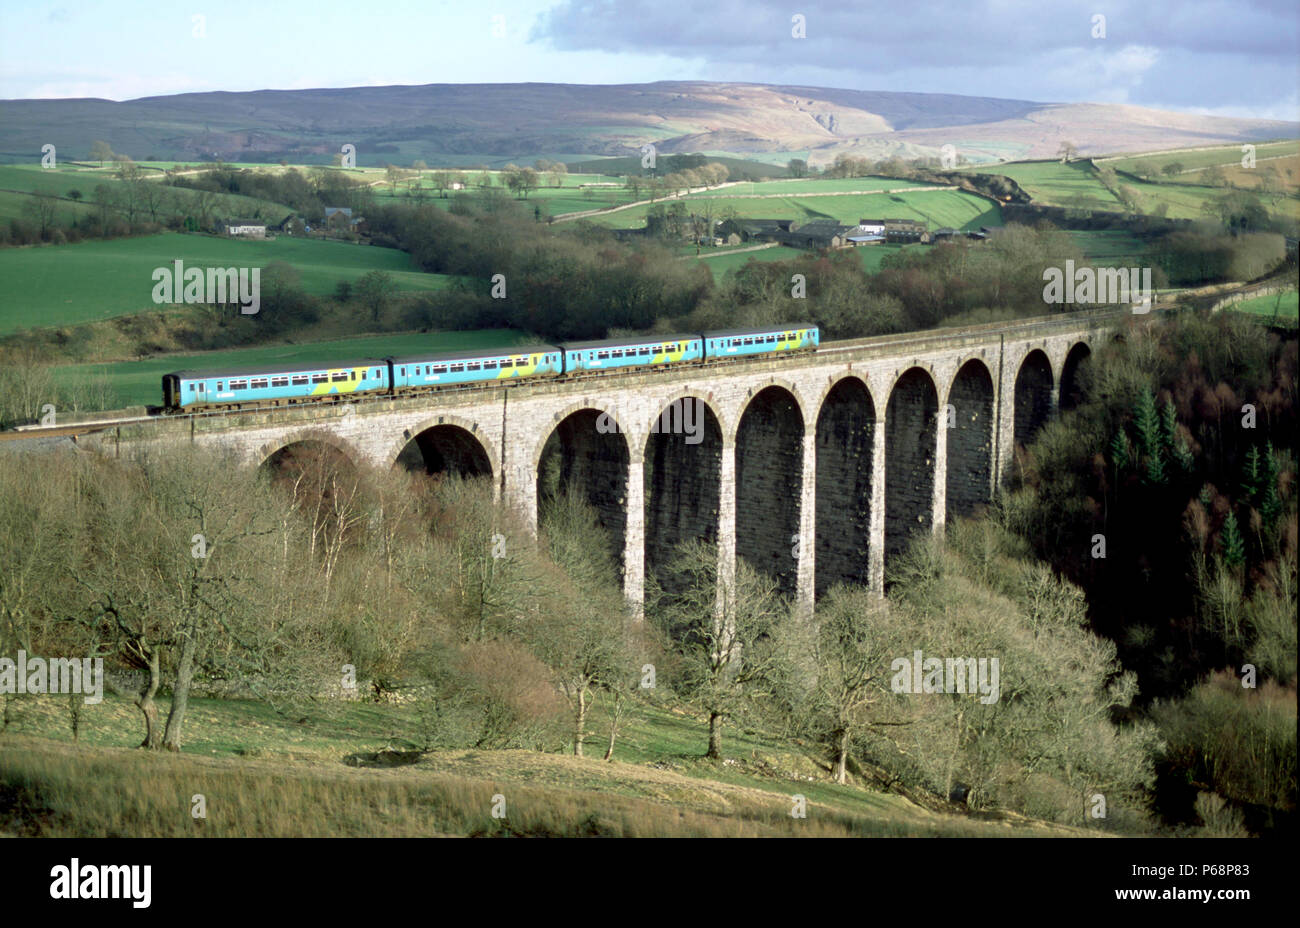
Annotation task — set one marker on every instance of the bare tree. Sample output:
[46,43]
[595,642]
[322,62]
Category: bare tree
[40,208]
[582,634]
[857,638]
[101,152]
[727,656]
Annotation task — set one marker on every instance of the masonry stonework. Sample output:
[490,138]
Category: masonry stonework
[849,471]
[968,416]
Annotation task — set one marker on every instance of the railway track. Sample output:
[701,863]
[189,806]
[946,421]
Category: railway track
[883,343]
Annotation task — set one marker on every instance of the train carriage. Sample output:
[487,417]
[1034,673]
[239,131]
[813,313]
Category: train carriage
[733,343]
[442,368]
[273,385]
[236,387]
[617,353]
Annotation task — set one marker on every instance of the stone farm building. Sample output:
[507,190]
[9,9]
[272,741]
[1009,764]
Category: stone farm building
[905,230]
[246,229]
[736,231]
[340,217]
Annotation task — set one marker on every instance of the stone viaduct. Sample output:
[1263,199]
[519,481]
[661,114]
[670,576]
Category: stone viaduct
[816,468]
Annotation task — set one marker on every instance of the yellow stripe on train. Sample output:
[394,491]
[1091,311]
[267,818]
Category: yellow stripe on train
[350,385]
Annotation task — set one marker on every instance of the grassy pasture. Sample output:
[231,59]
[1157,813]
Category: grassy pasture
[1286,169]
[1189,200]
[268,775]
[871,256]
[1285,305]
[1054,184]
[1190,158]
[568,197]
[67,284]
[725,262]
[31,178]
[1051,183]
[813,185]
[874,255]
[1109,248]
[937,208]
[137,383]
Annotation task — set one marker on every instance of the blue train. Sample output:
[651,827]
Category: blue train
[236,387]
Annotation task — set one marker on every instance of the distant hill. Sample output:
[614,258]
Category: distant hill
[496,123]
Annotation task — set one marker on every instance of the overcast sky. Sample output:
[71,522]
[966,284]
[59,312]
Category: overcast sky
[1206,56]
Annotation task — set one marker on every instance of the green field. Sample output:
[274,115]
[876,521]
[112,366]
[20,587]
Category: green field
[1224,156]
[136,383]
[1109,248]
[67,284]
[812,185]
[1051,183]
[730,262]
[874,255]
[939,208]
[568,197]
[1285,305]
[18,181]
[871,257]
[1054,184]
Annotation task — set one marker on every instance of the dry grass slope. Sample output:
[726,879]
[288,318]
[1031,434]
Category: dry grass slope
[52,789]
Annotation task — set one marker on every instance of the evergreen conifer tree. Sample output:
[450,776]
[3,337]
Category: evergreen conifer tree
[1251,474]
[1147,424]
[1234,546]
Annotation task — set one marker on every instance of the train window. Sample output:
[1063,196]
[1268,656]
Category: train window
[656,349]
[472,366]
[298,380]
[749,341]
[239,384]
[457,368]
[602,354]
[191,387]
[320,378]
[489,365]
[440,368]
[339,376]
[279,381]
[521,362]
[771,339]
[507,363]
[259,384]
[220,386]
[618,353]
